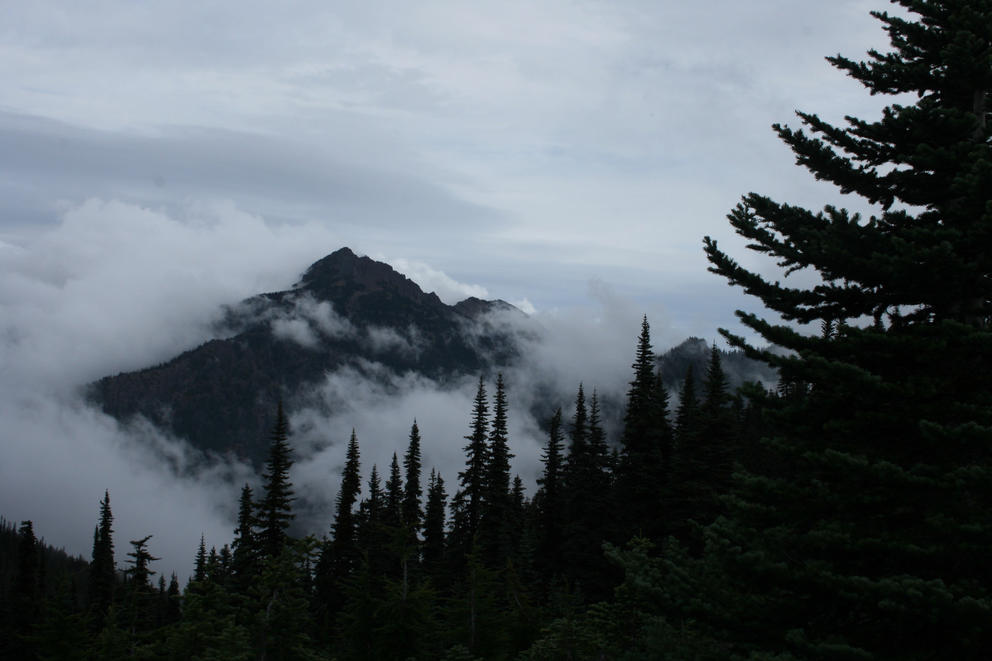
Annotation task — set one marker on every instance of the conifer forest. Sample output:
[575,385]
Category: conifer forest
[842,515]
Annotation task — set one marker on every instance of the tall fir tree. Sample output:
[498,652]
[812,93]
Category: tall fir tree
[413,514]
[494,534]
[393,513]
[139,608]
[372,521]
[245,550]
[868,536]
[275,511]
[103,570]
[473,478]
[340,556]
[200,561]
[586,496]
[641,476]
[550,503]
[686,415]
[25,595]
[434,522]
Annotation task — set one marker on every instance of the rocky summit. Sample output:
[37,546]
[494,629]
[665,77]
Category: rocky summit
[346,311]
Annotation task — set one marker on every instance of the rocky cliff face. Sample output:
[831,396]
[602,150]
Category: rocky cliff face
[345,311]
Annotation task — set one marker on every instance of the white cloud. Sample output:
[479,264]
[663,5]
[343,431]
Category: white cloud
[295,330]
[114,287]
[389,340]
[430,279]
[305,320]
[525,306]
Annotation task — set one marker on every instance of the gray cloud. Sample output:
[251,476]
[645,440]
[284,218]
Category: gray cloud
[271,176]
[158,162]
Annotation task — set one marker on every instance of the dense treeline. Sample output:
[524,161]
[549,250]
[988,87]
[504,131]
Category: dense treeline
[843,515]
[403,572]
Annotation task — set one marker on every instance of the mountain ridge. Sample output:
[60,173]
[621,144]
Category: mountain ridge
[345,310]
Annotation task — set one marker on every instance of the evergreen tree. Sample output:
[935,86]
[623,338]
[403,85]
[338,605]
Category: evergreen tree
[372,523]
[597,437]
[496,498]
[868,536]
[602,507]
[344,519]
[586,495]
[718,424]
[473,478]
[686,416]
[102,568]
[373,508]
[434,520]
[139,609]
[282,624]
[245,551]
[200,562]
[641,476]
[393,514]
[550,503]
[412,513]
[276,510]
[707,449]
[340,555]
[26,596]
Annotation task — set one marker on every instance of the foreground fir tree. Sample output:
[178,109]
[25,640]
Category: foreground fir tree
[869,536]
[102,568]
[276,509]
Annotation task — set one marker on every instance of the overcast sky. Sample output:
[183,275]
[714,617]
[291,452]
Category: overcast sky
[159,159]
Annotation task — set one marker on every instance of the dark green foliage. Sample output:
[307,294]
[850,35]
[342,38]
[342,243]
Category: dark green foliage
[339,555]
[138,613]
[549,501]
[413,515]
[863,534]
[494,533]
[473,478]
[642,474]
[200,562]
[687,414]
[705,455]
[139,573]
[344,520]
[62,634]
[25,596]
[393,512]
[245,554]
[434,520]
[282,624]
[275,511]
[102,567]
[374,526]
[586,496]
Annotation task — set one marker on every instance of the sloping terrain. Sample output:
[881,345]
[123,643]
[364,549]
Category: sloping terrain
[346,310]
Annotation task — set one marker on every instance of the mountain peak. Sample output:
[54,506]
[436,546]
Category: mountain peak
[343,274]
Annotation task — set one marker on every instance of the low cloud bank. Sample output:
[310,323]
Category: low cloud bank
[117,287]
